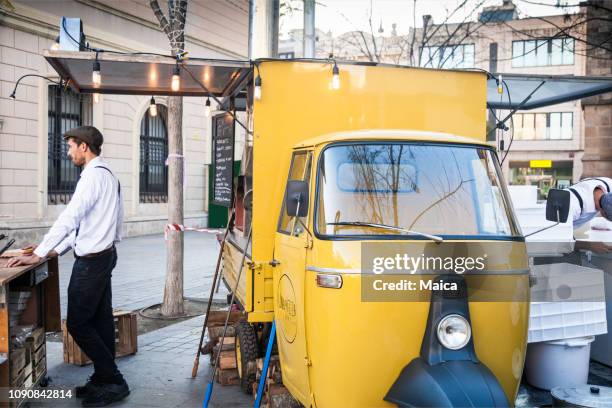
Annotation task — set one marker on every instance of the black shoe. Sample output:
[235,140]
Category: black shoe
[90,387]
[106,394]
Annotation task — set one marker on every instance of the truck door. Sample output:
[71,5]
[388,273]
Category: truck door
[290,248]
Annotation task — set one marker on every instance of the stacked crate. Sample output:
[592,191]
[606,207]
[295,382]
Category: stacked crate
[20,369]
[37,350]
[29,363]
[126,339]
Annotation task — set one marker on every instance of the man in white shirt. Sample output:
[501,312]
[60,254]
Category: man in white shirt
[91,224]
[588,198]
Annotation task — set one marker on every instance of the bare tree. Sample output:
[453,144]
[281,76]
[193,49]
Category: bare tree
[442,38]
[173,25]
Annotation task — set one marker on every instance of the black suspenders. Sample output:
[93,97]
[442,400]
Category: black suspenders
[579,199]
[578,195]
[118,191]
[118,183]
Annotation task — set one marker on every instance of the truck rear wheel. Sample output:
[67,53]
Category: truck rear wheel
[247,353]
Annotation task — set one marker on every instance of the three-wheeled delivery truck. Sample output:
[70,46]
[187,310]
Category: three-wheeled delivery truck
[348,161]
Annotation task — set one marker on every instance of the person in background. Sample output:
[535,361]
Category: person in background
[588,198]
[91,225]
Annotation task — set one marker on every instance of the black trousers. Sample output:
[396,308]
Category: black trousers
[90,313]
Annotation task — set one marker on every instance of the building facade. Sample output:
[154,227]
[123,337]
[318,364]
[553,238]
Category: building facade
[36,178]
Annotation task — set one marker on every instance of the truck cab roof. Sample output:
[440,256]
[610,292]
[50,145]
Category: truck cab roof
[389,135]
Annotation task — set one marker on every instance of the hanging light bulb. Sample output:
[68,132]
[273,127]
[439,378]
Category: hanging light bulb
[257,90]
[152,108]
[56,45]
[96,77]
[96,97]
[500,85]
[335,77]
[176,79]
[207,108]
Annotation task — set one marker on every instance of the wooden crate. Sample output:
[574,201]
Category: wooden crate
[36,338]
[39,370]
[126,339]
[17,361]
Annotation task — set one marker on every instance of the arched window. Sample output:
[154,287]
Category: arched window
[153,153]
[67,110]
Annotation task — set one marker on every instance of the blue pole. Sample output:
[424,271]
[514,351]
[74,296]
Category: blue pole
[209,388]
[264,371]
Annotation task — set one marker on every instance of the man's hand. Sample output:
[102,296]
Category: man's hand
[595,246]
[23,260]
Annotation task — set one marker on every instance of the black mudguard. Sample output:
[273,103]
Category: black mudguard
[445,385]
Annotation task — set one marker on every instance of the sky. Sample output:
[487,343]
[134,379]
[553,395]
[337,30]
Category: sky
[339,16]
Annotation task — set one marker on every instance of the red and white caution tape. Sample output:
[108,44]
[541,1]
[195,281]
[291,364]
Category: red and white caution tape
[179,227]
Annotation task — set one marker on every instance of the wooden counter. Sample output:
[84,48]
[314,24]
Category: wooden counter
[39,308]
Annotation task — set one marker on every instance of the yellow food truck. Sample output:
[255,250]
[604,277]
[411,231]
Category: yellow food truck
[350,158]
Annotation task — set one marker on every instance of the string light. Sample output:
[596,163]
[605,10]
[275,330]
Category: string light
[96,76]
[56,45]
[500,85]
[335,77]
[207,108]
[176,79]
[96,97]
[152,108]
[257,90]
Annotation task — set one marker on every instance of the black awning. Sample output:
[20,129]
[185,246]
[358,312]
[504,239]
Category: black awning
[149,74]
[549,90]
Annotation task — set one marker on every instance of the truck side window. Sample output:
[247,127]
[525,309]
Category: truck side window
[299,170]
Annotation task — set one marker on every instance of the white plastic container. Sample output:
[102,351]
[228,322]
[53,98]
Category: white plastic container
[602,348]
[559,363]
[563,320]
[582,312]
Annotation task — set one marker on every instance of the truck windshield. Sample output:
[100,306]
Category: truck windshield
[439,189]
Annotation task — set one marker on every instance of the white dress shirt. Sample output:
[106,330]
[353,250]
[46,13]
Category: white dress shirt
[585,189]
[96,209]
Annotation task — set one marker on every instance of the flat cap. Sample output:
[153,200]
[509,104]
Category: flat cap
[87,134]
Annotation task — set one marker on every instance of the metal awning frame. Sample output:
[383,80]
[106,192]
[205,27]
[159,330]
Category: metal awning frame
[592,86]
[62,61]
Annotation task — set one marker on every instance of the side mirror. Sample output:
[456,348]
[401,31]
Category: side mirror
[296,198]
[557,205]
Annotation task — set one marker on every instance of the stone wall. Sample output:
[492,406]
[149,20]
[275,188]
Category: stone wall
[598,110]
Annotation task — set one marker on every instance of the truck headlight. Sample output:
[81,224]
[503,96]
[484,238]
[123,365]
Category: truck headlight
[454,332]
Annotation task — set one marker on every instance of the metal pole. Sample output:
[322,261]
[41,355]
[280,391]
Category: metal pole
[273,17]
[252,12]
[263,28]
[309,28]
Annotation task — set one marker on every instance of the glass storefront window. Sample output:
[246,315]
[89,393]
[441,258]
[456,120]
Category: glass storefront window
[558,176]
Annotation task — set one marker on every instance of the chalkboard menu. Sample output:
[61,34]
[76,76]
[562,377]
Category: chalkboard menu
[223,159]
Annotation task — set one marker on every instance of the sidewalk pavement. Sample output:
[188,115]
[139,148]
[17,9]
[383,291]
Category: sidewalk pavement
[139,277]
[159,374]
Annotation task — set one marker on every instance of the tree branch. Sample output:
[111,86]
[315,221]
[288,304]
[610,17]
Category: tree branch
[161,18]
